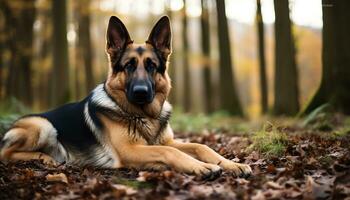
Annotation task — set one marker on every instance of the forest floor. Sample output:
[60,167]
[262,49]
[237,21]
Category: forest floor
[290,160]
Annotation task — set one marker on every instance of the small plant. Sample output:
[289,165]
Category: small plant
[341,132]
[326,161]
[12,106]
[10,110]
[270,141]
[6,122]
[345,129]
[320,119]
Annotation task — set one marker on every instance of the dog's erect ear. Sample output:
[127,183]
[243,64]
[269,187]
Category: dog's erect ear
[160,37]
[117,35]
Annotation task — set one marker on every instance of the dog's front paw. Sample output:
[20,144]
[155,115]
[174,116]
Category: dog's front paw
[240,170]
[47,160]
[207,171]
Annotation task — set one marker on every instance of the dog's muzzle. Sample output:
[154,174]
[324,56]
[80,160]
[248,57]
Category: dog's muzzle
[141,93]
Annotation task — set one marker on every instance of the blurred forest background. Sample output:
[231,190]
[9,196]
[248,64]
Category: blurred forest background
[261,82]
[245,57]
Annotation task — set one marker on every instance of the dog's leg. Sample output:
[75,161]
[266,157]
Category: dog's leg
[206,154]
[140,155]
[136,153]
[27,136]
[32,156]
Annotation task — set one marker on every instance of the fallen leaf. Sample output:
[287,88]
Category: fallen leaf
[128,190]
[314,190]
[61,177]
[273,194]
[292,193]
[274,185]
[271,169]
[259,196]
[201,190]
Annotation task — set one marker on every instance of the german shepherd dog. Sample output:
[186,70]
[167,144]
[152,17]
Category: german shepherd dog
[123,122]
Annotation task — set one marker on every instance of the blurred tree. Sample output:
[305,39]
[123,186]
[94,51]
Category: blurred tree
[60,82]
[228,95]
[19,19]
[205,31]
[185,52]
[45,53]
[1,72]
[6,30]
[262,61]
[335,83]
[3,39]
[84,43]
[286,76]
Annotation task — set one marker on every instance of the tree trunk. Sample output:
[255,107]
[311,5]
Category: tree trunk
[84,42]
[45,54]
[335,84]
[9,20]
[3,38]
[286,76]
[228,95]
[1,75]
[19,19]
[185,51]
[262,61]
[60,83]
[209,104]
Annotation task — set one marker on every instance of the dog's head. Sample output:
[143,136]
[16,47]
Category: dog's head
[137,78]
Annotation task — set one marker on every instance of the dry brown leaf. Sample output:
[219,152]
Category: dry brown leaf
[274,185]
[292,193]
[259,196]
[201,190]
[273,194]
[314,190]
[61,177]
[128,190]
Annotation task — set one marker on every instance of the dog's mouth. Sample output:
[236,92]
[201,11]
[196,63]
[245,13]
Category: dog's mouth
[141,101]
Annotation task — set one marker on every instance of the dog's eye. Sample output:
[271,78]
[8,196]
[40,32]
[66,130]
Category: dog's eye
[131,65]
[150,65]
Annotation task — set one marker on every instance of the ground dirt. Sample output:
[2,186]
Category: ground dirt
[314,165]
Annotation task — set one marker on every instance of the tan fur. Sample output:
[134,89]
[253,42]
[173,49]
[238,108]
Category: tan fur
[32,156]
[136,153]
[206,154]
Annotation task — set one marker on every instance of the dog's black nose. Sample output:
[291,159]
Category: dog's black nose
[140,92]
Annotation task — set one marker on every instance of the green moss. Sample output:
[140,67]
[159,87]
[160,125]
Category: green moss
[10,110]
[326,161]
[12,106]
[342,132]
[132,183]
[6,121]
[320,119]
[269,141]
[198,122]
